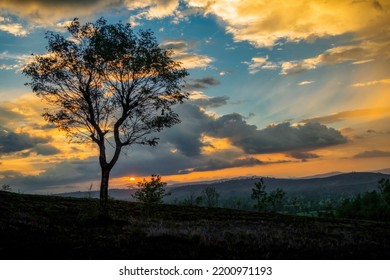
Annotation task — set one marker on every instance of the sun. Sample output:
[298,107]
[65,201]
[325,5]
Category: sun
[132,179]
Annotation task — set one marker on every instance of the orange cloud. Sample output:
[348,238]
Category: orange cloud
[264,23]
[182,53]
[372,83]
[269,23]
[153,8]
[23,116]
[47,13]
[359,54]
[341,116]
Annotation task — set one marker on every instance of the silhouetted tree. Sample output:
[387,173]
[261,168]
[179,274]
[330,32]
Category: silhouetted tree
[6,188]
[275,199]
[384,188]
[190,199]
[260,196]
[151,191]
[210,197]
[107,84]
[369,205]
[295,204]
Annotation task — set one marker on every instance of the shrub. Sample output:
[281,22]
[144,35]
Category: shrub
[260,196]
[151,191]
[6,188]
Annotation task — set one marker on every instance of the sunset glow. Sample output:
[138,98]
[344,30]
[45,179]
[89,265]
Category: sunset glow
[276,89]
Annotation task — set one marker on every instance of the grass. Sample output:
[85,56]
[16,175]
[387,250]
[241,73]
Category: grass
[49,227]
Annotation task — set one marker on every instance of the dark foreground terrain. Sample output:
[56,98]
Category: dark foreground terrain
[49,227]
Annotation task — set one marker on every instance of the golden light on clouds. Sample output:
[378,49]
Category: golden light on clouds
[372,83]
[182,53]
[263,23]
[212,144]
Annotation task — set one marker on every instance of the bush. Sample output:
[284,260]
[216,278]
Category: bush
[151,191]
[211,197]
[6,188]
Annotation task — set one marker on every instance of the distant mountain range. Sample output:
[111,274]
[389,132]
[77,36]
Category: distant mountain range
[329,185]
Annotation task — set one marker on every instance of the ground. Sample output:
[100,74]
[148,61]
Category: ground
[50,227]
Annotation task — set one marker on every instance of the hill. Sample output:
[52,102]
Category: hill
[52,227]
[334,187]
[309,188]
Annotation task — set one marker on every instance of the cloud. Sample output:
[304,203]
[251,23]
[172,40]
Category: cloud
[372,83]
[18,61]
[303,83]
[211,102]
[304,156]
[255,64]
[7,115]
[365,51]
[13,28]
[266,23]
[202,83]
[372,154]
[65,173]
[258,63]
[182,54]
[46,13]
[341,116]
[362,61]
[186,137]
[151,9]
[46,150]
[187,141]
[275,138]
[190,146]
[11,142]
[217,164]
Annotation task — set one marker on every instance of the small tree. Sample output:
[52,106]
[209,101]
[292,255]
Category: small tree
[107,85]
[210,197]
[384,188]
[275,199]
[190,199]
[6,188]
[260,196]
[151,191]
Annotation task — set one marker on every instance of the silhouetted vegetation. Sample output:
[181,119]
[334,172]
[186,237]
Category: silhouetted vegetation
[208,198]
[108,84]
[260,195]
[6,188]
[49,227]
[267,201]
[372,205]
[151,191]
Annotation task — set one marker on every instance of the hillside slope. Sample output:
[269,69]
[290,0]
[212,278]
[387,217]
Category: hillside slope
[348,183]
[49,227]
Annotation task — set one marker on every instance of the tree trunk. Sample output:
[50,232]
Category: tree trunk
[104,188]
[106,168]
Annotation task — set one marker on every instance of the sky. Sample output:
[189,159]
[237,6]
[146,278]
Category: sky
[277,88]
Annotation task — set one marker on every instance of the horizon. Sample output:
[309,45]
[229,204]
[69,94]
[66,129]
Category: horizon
[292,90]
[65,189]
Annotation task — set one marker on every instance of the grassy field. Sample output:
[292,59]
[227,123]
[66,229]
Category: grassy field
[49,227]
